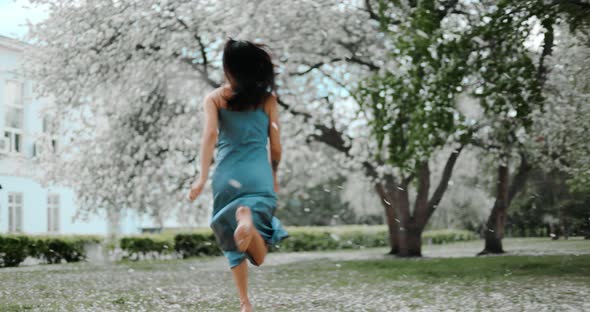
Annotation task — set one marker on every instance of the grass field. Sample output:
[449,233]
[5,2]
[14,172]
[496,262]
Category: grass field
[539,275]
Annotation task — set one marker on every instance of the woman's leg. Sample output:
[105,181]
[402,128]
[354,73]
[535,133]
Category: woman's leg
[249,240]
[244,230]
[257,248]
[240,273]
[247,237]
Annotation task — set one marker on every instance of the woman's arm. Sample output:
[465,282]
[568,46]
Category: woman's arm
[208,140]
[275,139]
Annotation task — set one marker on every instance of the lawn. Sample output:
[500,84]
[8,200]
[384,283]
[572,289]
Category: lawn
[540,275]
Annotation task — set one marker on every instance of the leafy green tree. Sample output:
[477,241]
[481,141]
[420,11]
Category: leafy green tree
[511,80]
[440,49]
[413,112]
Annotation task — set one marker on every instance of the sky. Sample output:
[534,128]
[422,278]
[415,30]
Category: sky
[14,15]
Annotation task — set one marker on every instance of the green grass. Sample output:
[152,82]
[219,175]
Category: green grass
[497,267]
[319,281]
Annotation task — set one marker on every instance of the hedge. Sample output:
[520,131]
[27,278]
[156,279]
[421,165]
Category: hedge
[196,244]
[148,245]
[326,238]
[447,236]
[50,249]
[13,250]
[201,242]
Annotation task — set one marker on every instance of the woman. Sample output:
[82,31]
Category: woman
[245,111]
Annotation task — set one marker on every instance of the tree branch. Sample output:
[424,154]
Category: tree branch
[202,50]
[481,144]
[408,179]
[448,7]
[582,4]
[314,66]
[519,179]
[444,181]
[421,211]
[352,47]
[369,9]
[356,60]
[547,50]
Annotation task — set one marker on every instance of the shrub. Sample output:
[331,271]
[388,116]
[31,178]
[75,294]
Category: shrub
[447,236]
[201,242]
[55,249]
[13,250]
[356,237]
[51,249]
[331,238]
[152,244]
[196,244]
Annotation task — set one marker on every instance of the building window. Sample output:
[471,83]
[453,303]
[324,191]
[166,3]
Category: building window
[50,127]
[15,212]
[14,115]
[53,213]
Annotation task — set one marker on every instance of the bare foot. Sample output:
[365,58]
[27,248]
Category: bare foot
[244,230]
[246,307]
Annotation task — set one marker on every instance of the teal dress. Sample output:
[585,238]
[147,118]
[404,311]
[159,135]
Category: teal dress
[243,177]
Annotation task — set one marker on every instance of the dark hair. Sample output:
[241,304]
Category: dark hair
[250,68]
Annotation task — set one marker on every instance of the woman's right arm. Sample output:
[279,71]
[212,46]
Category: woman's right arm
[275,139]
[208,140]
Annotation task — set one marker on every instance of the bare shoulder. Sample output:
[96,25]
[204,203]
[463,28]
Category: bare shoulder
[217,97]
[271,103]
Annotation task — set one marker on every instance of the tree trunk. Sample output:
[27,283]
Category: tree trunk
[405,228]
[403,217]
[413,241]
[497,219]
[505,193]
[388,203]
[564,225]
[405,235]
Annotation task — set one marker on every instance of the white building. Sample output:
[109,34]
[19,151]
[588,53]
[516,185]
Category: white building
[25,205]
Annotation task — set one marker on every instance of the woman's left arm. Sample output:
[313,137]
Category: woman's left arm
[208,141]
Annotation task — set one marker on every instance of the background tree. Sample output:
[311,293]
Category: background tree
[562,126]
[375,82]
[412,111]
[131,76]
[511,86]
[561,129]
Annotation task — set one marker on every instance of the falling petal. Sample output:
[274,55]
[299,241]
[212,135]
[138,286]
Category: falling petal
[235,183]
[512,113]
[422,33]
